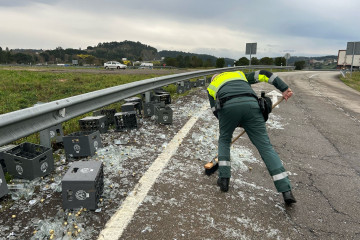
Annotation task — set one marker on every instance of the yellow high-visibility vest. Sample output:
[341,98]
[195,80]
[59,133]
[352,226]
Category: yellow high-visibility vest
[223,78]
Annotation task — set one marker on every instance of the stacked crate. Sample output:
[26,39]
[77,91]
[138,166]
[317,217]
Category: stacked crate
[109,113]
[82,185]
[135,99]
[161,95]
[132,107]
[29,161]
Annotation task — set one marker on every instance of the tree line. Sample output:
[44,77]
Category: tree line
[132,51]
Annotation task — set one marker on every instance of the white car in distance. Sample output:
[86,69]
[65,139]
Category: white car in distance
[115,65]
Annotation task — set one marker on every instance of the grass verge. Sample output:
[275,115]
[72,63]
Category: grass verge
[353,81]
[22,88]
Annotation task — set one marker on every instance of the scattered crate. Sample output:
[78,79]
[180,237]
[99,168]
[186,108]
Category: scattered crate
[82,144]
[126,121]
[164,114]
[187,85]
[163,97]
[135,99]
[2,163]
[82,185]
[55,132]
[109,113]
[149,108]
[180,89]
[93,123]
[3,185]
[29,161]
[131,107]
[2,158]
[193,84]
[201,82]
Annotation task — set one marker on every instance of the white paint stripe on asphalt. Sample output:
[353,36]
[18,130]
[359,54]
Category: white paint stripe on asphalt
[115,227]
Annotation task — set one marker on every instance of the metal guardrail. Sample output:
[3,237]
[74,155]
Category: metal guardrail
[21,123]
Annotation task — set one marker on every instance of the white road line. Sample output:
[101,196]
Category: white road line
[115,227]
[313,75]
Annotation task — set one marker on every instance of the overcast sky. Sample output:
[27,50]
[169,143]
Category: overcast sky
[219,28]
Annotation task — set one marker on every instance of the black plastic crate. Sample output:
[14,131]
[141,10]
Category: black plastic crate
[164,114]
[109,113]
[2,158]
[82,185]
[126,121]
[2,163]
[180,89]
[193,84]
[149,108]
[201,82]
[55,133]
[187,85]
[29,161]
[93,123]
[135,99]
[3,185]
[82,144]
[162,97]
[131,107]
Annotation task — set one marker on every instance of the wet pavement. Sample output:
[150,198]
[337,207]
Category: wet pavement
[315,135]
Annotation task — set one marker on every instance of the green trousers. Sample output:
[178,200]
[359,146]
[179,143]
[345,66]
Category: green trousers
[245,111]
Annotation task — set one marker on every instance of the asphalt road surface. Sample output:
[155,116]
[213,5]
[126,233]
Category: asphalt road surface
[316,134]
[155,186]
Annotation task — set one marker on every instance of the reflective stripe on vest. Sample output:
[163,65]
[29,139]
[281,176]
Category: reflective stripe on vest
[263,78]
[224,164]
[223,78]
[279,176]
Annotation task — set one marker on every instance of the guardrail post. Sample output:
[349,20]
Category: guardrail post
[45,138]
[147,97]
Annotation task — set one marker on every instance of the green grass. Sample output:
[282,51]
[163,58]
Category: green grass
[353,82]
[22,88]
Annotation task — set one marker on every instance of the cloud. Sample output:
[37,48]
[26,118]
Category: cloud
[305,27]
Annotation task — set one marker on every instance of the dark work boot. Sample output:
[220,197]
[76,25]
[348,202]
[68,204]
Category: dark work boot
[223,183]
[289,197]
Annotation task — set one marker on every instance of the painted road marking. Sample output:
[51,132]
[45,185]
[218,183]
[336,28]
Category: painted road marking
[313,75]
[115,227]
